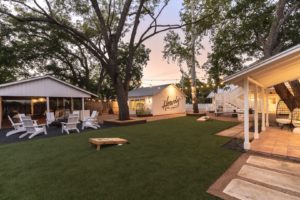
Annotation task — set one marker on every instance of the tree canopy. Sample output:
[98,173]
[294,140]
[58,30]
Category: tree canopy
[246,31]
[102,27]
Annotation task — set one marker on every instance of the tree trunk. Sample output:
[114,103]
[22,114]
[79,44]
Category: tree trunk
[194,100]
[285,95]
[122,101]
[295,85]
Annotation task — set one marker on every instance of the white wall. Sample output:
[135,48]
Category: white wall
[173,99]
[203,107]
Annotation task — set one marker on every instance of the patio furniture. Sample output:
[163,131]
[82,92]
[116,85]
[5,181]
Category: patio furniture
[296,130]
[50,118]
[70,125]
[284,121]
[22,116]
[76,112]
[32,129]
[103,141]
[18,127]
[92,121]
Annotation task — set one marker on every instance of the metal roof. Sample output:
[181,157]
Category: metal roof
[147,91]
[19,82]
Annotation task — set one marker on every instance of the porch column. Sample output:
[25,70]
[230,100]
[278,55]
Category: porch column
[256,135]
[246,114]
[82,108]
[263,112]
[48,104]
[0,112]
[72,104]
[31,106]
[267,108]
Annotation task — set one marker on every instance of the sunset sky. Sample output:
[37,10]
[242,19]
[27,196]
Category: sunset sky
[159,69]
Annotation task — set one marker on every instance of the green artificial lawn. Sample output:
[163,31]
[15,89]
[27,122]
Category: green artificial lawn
[168,159]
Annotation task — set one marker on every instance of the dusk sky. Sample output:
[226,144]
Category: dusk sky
[159,69]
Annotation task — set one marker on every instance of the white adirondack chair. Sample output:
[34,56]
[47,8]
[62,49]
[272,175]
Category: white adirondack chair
[18,127]
[70,125]
[50,118]
[91,122]
[76,112]
[33,130]
[22,116]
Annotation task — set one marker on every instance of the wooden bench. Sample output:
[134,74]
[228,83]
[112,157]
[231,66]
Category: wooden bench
[103,141]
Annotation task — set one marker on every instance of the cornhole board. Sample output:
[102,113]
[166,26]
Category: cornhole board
[103,141]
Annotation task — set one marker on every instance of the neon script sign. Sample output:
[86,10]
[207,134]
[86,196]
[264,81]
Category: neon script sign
[171,104]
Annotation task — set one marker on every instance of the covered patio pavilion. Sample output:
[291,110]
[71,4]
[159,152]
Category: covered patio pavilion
[258,79]
[38,95]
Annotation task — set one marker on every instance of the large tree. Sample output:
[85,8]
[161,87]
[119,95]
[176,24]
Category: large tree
[100,26]
[253,30]
[53,52]
[198,19]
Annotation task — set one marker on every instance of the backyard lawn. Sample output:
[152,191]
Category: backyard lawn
[168,159]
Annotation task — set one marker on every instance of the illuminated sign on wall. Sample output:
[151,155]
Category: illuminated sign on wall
[171,104]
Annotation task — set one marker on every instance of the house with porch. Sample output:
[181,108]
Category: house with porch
[257,81]
[38,95]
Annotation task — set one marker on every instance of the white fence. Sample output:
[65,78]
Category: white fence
[203,107]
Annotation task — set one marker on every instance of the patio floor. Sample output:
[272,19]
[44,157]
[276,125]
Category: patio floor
[278,142]
[52,131]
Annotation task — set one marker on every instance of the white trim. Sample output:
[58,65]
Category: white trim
[45,77]
[261,64]
[246,114]
[256,134]
[263,110]
[255,82]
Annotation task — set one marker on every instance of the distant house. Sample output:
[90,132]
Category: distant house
[157,100]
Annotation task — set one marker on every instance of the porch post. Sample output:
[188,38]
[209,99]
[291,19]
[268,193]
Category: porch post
[72,104]
[31,106]
[246,114]
[263,113]
[256,135]
[267,108]
[0,112]
[82,108]
[48,104]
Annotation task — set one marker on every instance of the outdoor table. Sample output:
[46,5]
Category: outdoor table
[103,141]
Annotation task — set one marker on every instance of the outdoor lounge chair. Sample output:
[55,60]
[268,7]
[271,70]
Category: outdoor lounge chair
[70,125]
[284,121]
[50,118]
[33,130]
[22,116]
[92,121]
[76,112]
[18,127]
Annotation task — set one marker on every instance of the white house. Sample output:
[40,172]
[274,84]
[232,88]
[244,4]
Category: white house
[258,79]
[158,100]
[35,96]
